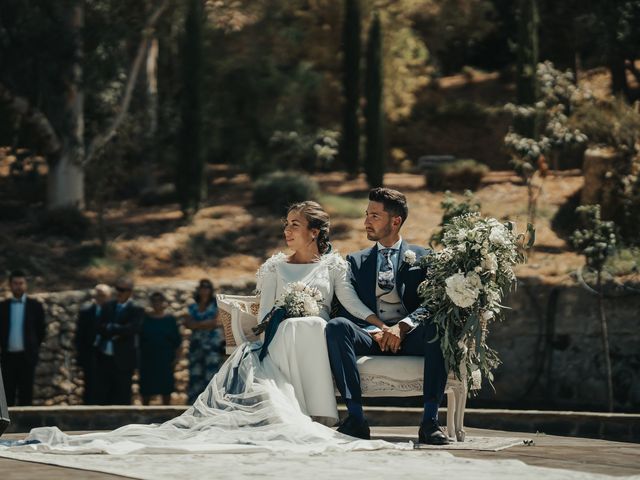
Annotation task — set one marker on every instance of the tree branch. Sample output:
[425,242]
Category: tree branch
[100,140]
[39,123]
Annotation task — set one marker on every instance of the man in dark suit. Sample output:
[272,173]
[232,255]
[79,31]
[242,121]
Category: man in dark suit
[85,339]
[22,329]
[386,278]
[118,328]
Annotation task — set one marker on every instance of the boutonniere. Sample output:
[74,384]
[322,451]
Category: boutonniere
[409,257]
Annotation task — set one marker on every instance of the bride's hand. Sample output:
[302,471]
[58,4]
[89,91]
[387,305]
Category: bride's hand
[392,339]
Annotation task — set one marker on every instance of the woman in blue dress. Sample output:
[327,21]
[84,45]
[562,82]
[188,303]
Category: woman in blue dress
[206,351]
[159,343]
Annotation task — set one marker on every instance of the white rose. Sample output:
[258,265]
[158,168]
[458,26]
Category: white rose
[311,306]
[463,290]
[410,257]
[498,236]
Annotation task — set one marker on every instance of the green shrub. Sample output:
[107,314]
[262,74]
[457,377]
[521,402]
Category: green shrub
[278,190]
[609,122]
[617,125]
[457,176]
[65,221]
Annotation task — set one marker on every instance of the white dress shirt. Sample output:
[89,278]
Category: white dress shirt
[16,327]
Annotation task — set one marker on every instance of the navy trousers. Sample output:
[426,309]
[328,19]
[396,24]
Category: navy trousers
[346,341]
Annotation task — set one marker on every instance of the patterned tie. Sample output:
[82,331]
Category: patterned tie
[386,278]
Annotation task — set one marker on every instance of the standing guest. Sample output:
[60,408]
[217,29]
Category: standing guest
[22,329]
[118,328]
[86,339]
[207,341]
[159,344]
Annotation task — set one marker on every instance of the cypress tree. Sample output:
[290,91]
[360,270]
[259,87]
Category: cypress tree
[190,182]
[374,110]
[527,63]
[350,151]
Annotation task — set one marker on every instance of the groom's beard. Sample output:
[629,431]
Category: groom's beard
[375,235]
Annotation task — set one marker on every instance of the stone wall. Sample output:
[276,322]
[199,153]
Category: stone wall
[59,379]
[552,353]
[550,345]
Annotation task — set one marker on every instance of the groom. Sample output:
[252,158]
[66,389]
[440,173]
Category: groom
[386,278]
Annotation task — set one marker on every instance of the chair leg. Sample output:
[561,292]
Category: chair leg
[461,403]
[451,410]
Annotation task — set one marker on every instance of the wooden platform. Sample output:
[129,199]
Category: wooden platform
[574,454]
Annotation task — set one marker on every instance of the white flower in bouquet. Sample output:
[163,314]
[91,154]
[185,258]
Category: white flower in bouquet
[300,300]
[463,290]
[410,257]
[499,236]
[311,307]
[489,262]
[462,235]
[297,287]
[487,315]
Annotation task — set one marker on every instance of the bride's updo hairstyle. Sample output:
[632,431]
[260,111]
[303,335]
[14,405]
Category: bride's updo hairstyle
[317,218]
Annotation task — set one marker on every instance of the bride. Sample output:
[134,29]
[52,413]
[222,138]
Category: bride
[256,402]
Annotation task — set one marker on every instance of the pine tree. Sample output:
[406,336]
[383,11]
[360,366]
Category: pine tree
[350,151]
[190,169]
[374,110]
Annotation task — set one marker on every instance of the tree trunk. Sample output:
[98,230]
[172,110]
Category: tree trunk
[151,81]
[190,180]
[605,344]
[66,173]
[374,111]
[619,85]
[350,150]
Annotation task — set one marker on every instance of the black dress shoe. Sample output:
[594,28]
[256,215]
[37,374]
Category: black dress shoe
[355,427]
[431,434]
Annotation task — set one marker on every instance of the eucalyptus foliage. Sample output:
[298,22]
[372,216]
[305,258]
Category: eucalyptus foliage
[464,287]
[452,208]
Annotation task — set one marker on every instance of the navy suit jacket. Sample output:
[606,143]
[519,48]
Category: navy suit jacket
[34,327]
[364,267]
[124,331]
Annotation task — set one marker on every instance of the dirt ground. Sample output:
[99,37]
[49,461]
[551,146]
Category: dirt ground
[229,237]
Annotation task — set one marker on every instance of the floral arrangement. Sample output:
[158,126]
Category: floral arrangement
[464,286]
[297,300]
[300,300]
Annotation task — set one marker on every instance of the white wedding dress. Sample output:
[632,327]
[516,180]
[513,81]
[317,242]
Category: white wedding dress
[251,405]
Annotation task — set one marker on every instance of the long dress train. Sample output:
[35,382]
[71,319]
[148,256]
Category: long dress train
[251,405]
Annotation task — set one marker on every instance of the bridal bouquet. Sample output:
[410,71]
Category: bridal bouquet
[464,286]
[297,300]
[300,300]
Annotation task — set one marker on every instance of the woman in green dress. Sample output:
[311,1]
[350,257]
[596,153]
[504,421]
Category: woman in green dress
[159,344]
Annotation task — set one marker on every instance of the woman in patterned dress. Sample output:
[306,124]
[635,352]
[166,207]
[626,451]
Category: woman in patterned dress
[206,350]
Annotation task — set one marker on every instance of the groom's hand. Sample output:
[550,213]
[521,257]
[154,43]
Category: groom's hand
[392,338]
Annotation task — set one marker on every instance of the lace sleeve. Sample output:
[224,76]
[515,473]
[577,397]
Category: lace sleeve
[341,276]
[267,282]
